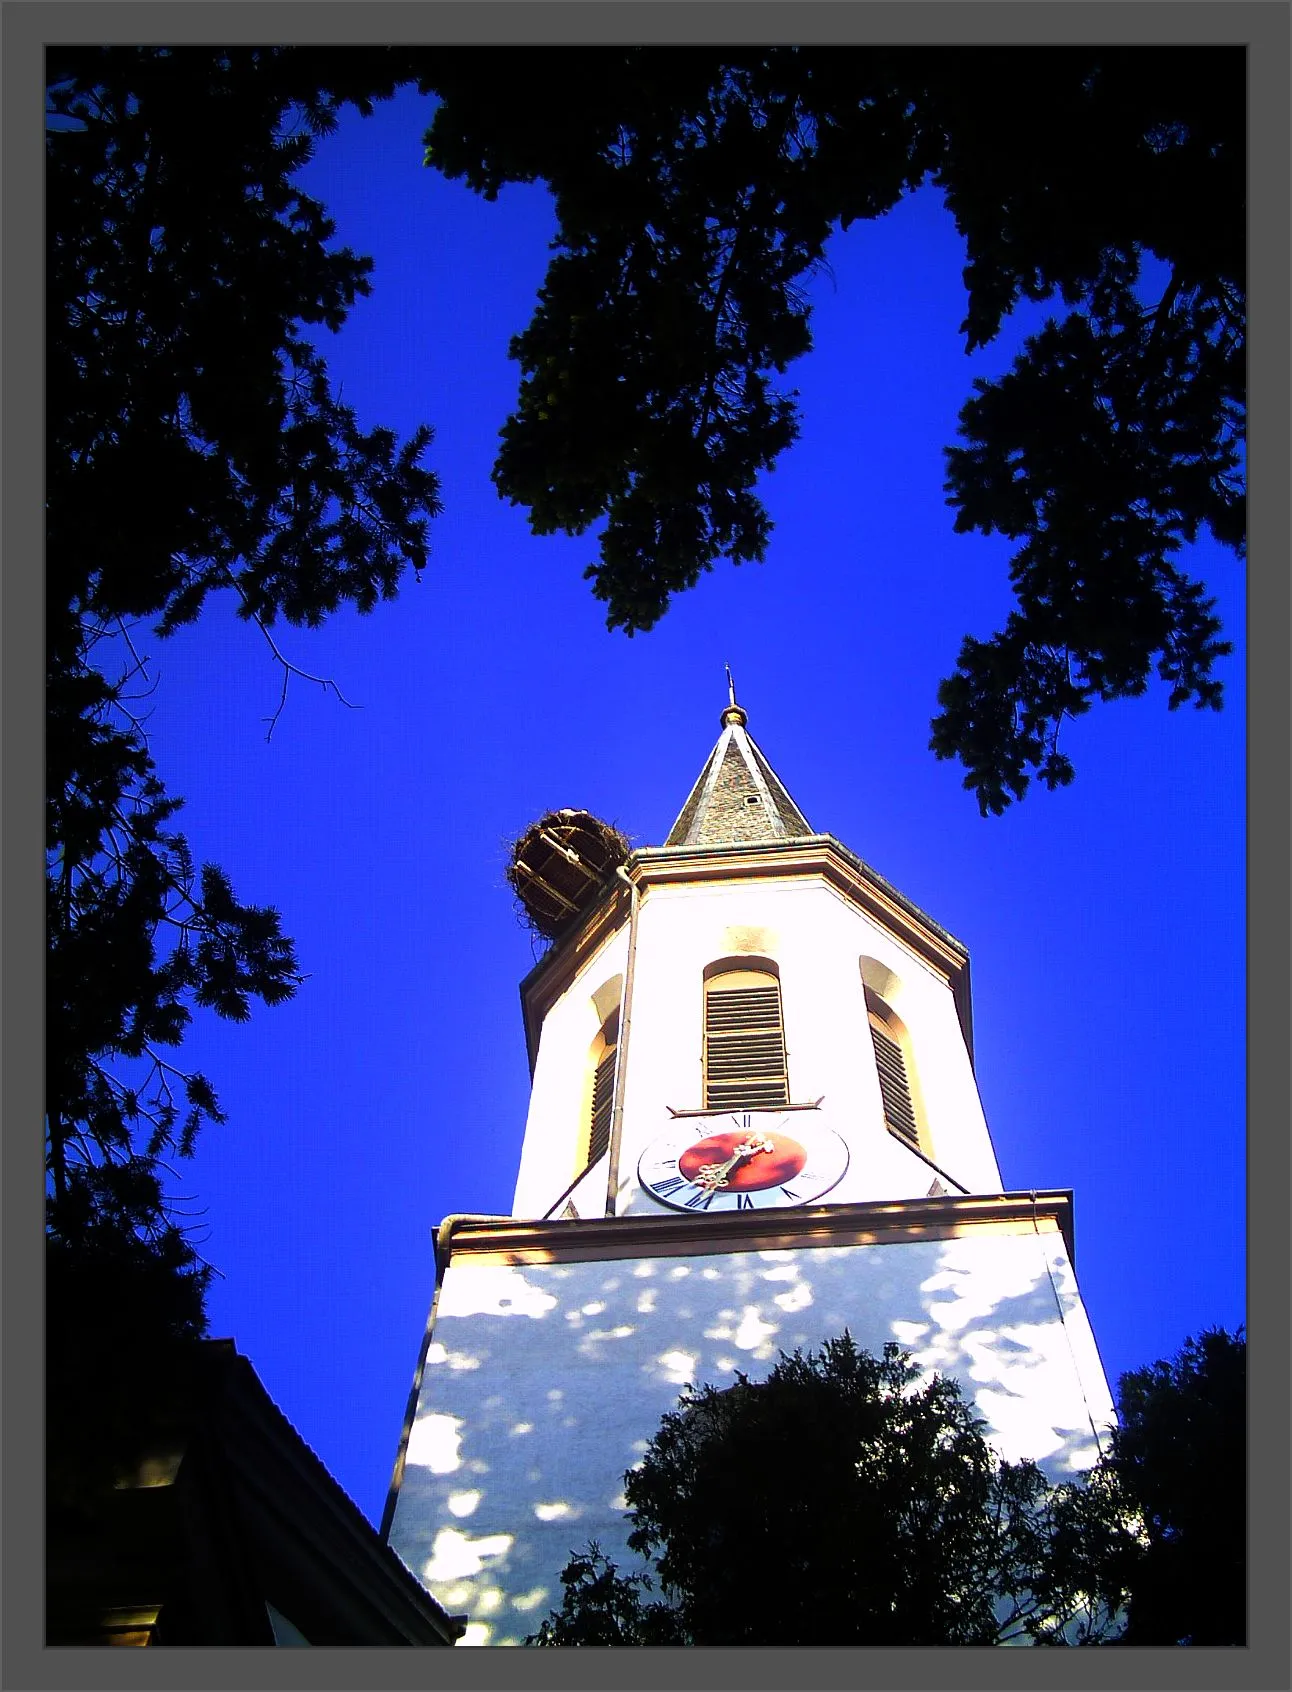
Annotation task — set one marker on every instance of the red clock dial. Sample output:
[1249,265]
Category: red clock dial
[752,1173]
[742,1160]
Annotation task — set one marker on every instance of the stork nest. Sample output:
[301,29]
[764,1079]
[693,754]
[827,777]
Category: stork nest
[559,866]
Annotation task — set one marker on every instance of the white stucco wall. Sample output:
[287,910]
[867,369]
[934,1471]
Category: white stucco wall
[556,1101]
[543,1384]
[816,939]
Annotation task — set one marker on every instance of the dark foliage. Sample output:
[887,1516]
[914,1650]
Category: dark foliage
[1161,1526]
[697,189]
[124,1293]
[602,1607]
[838,1502]
[866,1509]
[195,447]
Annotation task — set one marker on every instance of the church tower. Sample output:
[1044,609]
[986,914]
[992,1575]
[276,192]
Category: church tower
[753,1123]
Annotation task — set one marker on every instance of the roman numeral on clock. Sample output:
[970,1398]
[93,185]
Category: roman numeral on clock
[672,1171]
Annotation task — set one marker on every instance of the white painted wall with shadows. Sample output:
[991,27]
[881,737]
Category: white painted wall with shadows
[543,1384]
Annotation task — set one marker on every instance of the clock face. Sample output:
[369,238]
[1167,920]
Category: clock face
[742,1160]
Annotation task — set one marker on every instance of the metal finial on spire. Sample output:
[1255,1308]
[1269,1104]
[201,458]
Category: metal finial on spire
[734,713]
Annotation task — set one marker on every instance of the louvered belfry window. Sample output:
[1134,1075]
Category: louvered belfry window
[744,1041]
[603,1099]
[894,1085]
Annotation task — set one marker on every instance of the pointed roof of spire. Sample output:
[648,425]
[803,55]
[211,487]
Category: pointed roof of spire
[739,799]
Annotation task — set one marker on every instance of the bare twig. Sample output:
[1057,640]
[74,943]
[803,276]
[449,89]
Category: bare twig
[140,668]
[1162,311]
[289,669]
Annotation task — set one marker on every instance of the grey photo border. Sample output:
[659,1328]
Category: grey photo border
[1263,26]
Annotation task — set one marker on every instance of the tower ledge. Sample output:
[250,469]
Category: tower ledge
[509,1240]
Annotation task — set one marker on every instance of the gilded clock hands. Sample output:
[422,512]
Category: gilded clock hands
[711,1176]
[774,1167]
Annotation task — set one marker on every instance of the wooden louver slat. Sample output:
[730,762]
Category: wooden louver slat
[744,1048]
[603,1095]
[894,1086]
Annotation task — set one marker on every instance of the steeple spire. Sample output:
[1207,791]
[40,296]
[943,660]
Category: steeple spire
[733,713]
[739,799]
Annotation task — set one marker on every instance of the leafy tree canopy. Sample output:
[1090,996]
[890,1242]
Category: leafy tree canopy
[696,191]
[1161,1527]
[195,446]
[844,1500]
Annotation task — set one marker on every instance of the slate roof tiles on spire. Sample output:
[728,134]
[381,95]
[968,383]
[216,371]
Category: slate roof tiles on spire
[739,799]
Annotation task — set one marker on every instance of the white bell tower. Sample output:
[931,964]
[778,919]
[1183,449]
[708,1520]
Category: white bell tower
[753,1123]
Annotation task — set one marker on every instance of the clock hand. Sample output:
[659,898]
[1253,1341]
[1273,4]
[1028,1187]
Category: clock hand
[714,1175]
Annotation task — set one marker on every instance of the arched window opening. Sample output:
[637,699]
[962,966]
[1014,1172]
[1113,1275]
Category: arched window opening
[594,1141]
[744,1041]
[892,1062]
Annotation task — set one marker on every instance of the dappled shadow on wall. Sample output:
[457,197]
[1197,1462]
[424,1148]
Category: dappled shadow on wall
[545,1383]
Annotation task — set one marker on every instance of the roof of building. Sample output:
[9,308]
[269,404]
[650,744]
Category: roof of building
[231,1524]
[739,799]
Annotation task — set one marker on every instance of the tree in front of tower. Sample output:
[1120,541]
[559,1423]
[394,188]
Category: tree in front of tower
[1159,1528]
[846,1499]
[851,1500]
[1181,1454]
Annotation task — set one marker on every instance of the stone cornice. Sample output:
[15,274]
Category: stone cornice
[512,1240]
[708,862]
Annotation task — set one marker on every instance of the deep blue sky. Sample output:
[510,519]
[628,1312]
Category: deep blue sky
[1104,923]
